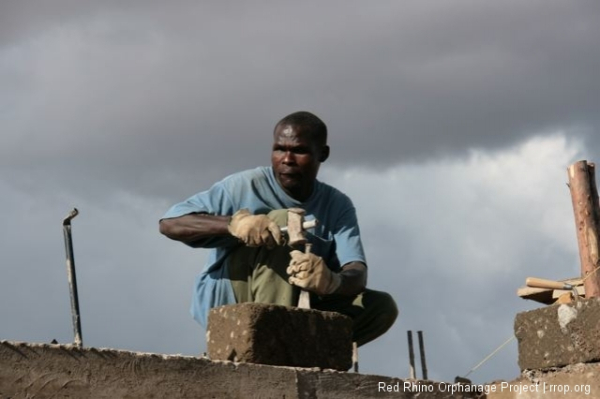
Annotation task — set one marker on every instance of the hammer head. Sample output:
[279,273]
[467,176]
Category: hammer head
[296,232]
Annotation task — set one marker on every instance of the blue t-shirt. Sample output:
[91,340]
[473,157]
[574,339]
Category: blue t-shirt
[258,191]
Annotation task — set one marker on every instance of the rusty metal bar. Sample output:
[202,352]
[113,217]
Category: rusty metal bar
[411,356]
[78,341]
[422,352]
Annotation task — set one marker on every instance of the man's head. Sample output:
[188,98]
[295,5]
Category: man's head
[299,147]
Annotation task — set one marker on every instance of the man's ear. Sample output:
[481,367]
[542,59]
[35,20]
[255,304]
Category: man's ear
[324,153]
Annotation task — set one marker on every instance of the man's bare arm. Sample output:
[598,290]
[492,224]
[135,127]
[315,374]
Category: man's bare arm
[354,279]
[194,227]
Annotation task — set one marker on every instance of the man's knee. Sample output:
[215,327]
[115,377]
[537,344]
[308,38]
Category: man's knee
[384,306]
[373,312]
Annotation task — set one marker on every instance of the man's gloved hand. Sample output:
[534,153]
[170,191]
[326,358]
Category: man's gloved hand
[309,271]
[254,230]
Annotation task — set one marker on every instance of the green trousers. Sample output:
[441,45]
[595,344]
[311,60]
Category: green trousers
[258,275]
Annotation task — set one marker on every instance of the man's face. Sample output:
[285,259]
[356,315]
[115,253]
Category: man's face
[296,160]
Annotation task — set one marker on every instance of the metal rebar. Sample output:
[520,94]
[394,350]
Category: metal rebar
[411,356]
[72,277]
[422,351]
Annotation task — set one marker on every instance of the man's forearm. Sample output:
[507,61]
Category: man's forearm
[354,279]
[194,227]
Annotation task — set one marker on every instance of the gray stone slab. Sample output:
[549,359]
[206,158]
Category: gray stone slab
[559,335]
[62,371]
[280,336]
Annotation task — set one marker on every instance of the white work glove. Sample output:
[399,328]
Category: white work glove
[254,230]
[309,272]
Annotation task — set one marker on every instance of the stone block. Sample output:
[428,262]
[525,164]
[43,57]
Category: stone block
[577,381]
[280,336]
[559,335]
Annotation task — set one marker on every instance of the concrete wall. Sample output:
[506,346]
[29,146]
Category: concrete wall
[559,335]
[55,371]
[576,381]
[559,349]
[58,371]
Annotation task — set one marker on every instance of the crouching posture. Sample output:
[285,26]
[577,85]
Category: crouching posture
[240,219]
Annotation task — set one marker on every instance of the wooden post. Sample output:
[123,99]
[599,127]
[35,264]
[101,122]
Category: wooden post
[422,352]
[584,194]
[411,356]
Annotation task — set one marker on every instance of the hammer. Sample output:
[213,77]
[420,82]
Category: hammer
[296,228]
[556,285]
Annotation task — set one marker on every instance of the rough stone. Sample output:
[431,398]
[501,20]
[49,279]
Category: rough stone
[280,336]
[62,371]
[573,382]
[559,335]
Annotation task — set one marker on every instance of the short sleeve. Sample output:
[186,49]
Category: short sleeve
[214,201]
[346,234]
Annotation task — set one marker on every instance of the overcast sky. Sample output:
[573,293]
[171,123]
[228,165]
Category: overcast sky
[451,126]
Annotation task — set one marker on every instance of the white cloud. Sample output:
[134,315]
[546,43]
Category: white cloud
[452,241]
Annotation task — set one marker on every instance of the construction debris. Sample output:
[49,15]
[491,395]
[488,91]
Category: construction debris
[549,296]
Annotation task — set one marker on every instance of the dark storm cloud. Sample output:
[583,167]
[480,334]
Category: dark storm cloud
[150,95]
[121,109]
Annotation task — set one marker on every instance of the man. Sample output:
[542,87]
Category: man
[239,218]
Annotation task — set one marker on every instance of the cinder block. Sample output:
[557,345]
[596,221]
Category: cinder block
[280,336]
[559,335]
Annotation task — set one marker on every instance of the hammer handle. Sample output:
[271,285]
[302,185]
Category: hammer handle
[309,224]
[307,248]
[304,300]
[543,283]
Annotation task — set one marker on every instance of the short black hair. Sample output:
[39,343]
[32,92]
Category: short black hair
[316,127]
